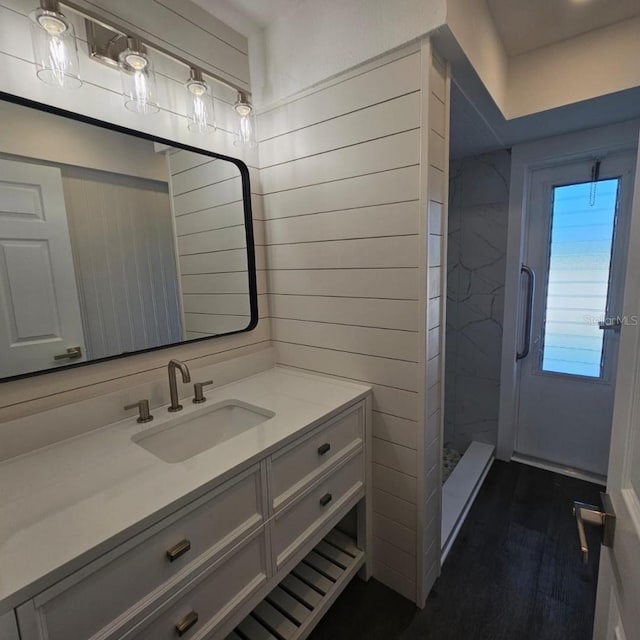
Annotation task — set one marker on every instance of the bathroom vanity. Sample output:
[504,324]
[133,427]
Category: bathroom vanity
[223,517]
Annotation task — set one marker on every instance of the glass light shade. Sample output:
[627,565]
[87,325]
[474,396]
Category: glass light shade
[55,50]
[246,131]
[200,109]
[138,77]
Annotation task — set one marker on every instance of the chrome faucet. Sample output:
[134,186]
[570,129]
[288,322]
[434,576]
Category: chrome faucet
[173,384]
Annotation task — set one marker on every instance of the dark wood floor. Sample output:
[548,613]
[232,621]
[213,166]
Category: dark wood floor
[514,572]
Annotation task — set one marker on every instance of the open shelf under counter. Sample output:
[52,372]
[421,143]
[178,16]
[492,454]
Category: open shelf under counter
[296,605]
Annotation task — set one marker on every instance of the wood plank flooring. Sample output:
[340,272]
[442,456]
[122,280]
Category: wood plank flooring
[514,572]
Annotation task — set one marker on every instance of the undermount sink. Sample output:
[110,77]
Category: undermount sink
[188,435]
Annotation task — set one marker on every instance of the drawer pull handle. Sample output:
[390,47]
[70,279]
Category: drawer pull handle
[186,623]
[178,550]
[326,499]
[324,448]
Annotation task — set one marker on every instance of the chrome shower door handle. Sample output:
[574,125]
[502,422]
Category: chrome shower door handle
[528,326]
[604,518]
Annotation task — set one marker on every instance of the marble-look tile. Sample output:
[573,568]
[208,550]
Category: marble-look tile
[478,213]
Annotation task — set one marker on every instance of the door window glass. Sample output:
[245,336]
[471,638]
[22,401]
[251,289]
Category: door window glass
[582,230]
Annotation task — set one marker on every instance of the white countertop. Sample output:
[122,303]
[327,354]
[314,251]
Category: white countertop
[64,505]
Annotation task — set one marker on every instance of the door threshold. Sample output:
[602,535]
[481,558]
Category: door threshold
[558,468]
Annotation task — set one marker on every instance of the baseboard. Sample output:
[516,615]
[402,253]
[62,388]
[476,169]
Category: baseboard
[558,468]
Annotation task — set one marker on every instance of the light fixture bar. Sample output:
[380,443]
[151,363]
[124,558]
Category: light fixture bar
[120,27]
[105,44]
[50,5]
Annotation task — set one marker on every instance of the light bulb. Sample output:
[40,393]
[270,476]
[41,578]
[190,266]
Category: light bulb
[136,61]
[53,25]
[245,133]
[138,79]
[197,88]
[200,109]
[55,50]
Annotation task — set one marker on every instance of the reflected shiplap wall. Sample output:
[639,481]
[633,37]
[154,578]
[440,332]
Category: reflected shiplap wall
[123,252]
[346,200]
[478,213]
[100,97]
[211,244]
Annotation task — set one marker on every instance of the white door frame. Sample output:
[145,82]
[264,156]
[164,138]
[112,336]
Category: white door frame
[525,159]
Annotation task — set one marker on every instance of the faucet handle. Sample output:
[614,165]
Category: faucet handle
[143,410]
[198,395]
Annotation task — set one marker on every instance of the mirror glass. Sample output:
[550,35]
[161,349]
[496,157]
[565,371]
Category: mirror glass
[113,243]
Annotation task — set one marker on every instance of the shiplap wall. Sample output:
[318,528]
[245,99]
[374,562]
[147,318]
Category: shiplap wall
[100,97]
[345,228]
[211,244]
[123,251]
[435,167]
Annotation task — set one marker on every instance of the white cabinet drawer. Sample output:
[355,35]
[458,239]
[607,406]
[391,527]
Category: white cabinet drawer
[117,587]
[301,463]
[202,608]
[293,526]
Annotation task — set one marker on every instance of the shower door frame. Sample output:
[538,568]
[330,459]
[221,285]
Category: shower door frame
[525,160]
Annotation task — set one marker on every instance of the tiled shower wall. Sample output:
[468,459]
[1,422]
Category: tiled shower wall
[478,212]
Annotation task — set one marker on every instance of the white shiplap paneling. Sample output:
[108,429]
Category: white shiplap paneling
[211,245]
[341,184]
[435,169]
[122,241]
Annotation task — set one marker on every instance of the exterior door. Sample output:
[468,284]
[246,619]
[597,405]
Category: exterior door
[39,309]
[578,228]
[618,600]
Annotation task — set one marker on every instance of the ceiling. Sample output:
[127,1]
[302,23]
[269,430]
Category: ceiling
[525,25]
[478,127]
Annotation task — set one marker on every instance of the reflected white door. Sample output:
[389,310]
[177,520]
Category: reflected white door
[618,600]
[39,309]
[576,246]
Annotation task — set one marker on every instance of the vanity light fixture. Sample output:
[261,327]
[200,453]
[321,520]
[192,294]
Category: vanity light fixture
[138,78]
[246,132]
[200,109]
[54,46]
[56,56]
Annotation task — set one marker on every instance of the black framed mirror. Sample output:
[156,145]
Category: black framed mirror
[115,242]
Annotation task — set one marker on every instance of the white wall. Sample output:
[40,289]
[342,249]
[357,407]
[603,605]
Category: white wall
[352,275]
[317,40]
[37,134]
[472,25]
[100,97]
[597,63]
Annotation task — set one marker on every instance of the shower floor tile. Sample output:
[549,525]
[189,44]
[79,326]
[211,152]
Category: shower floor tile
[450,458]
